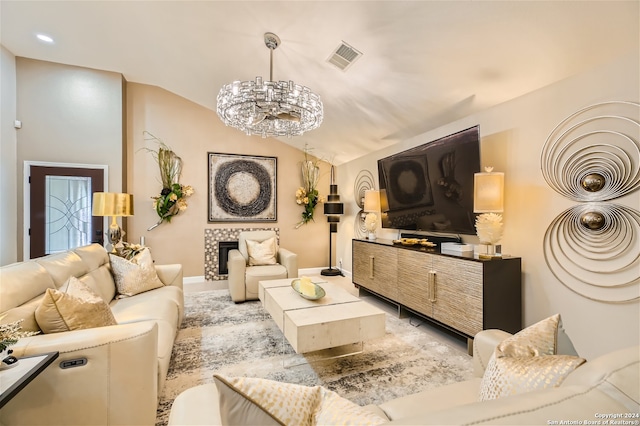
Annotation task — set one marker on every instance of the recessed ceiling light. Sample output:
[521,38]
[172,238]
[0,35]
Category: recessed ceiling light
[44,38]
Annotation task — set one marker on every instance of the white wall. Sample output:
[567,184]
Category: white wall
[69,115]
[513,135]
[8,157]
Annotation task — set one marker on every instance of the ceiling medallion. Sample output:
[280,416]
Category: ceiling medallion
[269,108]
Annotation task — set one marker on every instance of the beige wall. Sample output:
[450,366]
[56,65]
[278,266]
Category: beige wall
[192,131]
[69,115]
[77,115]
[513,135]
[59,125]
[8,158]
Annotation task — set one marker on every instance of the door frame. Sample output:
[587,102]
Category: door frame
[26,196]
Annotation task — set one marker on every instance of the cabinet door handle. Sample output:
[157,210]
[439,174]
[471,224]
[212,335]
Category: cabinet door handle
[371,266]
[432,286]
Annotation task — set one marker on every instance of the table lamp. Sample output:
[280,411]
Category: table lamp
[372,208]
[488,199]
[112,204]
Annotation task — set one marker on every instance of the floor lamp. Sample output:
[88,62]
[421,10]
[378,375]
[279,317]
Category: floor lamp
[112,204]
[333,208]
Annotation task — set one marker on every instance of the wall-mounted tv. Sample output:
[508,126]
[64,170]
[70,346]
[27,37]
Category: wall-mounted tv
[430,187]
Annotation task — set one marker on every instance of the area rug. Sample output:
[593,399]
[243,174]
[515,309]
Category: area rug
[219,336]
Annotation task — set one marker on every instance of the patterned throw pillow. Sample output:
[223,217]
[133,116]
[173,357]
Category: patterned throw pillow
[262,253]
[74,307]
[528,361]
[136,275]
[250,401]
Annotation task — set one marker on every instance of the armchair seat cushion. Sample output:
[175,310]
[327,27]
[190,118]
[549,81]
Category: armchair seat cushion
[263,273]
[245,272]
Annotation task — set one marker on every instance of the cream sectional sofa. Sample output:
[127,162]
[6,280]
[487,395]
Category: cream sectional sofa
[598,390]
[126,364]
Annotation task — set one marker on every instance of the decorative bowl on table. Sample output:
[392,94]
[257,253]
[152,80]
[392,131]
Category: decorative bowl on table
[318,292]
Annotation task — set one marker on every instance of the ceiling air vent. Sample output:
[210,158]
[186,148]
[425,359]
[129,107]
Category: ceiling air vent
[344,56]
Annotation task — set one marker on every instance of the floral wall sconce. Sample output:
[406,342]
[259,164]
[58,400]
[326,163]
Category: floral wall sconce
[307,195]
[172,198]
[593,157]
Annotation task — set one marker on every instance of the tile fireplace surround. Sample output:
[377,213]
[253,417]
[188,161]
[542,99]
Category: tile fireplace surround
[212,250]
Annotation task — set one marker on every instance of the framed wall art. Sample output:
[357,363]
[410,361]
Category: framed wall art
[242,188]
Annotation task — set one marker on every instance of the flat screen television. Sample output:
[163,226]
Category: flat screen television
[430,187]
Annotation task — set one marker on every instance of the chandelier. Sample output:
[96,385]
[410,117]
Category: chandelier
[269,108]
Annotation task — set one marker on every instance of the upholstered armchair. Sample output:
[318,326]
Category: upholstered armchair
[258,258]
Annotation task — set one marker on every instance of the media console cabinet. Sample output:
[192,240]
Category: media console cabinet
[462,293]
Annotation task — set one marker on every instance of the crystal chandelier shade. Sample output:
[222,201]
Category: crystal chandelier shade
[269,108]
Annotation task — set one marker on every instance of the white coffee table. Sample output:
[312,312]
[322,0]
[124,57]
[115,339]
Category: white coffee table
[338,319]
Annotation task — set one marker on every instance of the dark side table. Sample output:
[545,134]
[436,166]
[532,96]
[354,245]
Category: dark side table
[13,380]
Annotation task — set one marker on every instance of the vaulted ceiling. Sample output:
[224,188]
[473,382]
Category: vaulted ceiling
[424,63]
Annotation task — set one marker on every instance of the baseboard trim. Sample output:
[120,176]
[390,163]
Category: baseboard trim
[316,271]
[192,280]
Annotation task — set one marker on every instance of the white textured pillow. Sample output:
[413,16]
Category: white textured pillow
[74,307]
[250,401]
[527,361]
[136,275]
[262,252]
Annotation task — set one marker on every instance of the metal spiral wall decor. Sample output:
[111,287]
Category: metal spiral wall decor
[593,157]
[364,182]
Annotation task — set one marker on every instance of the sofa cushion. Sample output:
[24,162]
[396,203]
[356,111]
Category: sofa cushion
[511,376]
[93,255]
[144,307]
[262,252]
[543,407]
[25,312]
[74,307]
[527,361]
[151,299]
[251,401]
[615,373]
[21,282]
[101,282]
[252,235]
[435,399]
[194,406]
[134,276]
[255,274]
[63,265]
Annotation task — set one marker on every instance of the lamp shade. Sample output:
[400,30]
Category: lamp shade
[372,201]
[488,192]
[112,204]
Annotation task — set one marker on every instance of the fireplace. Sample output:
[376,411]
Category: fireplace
[223,249]
[216,254]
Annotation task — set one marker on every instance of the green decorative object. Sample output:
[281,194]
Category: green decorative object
[307,195]
[172,198]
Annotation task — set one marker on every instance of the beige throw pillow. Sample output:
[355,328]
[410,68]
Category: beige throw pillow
[262,252]
[250,401]
[74,307]
[136,275]
[527,361]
